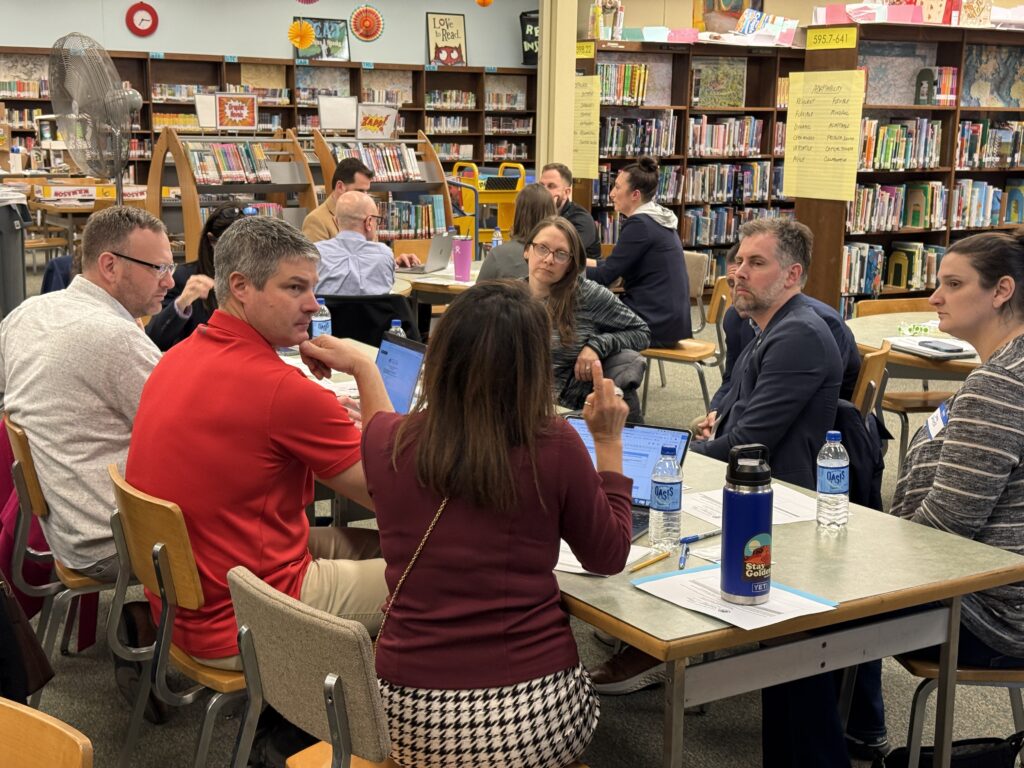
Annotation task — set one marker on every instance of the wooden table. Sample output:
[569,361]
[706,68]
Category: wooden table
[921,566]
[871,330]
[67,215]
[402,287]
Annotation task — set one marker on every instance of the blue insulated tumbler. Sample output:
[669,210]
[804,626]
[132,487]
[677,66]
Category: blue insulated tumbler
[747,526]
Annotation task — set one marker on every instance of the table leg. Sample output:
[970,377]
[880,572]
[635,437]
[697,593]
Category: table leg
[673,738]
[947,688]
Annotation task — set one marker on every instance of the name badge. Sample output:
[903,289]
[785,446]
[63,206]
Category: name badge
[937,421]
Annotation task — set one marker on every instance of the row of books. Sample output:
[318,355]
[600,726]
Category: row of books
[227,163]
[779,139]
[500,101]
[389,162]
[728,182]
[182,121]
[451,99]
[670,185]
[449,150]
[608,225]
[140,149]
[936,86]
[623,84]
[506,150]
[724,136]
[909,266]
[984,144]
[782,93]
[633,136]
[24,89]
[976,204]
[447,124]
[268,97]
[900,145]
[23,118]
[180,92]
[894,207]
[307,97]
[404,219]
[394,97]
[719,225]
[508,124]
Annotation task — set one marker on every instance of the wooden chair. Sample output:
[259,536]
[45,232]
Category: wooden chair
[904,403]
[871,380]
[60,596]
[688,351]
[1011,679]
[152,542]
[41,237]
[32,739]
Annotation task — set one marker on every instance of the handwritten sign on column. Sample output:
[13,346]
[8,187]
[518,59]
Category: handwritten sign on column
[823,134]
[586,127]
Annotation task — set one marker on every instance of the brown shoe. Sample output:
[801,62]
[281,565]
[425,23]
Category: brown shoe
[627,671]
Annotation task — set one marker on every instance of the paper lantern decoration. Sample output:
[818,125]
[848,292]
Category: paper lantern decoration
[484,3]
[300,34]
[366,23]
[308,2]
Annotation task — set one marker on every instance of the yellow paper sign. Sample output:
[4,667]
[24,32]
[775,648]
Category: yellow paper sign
[585,49]
[823,134]
[828,38]
[586,127]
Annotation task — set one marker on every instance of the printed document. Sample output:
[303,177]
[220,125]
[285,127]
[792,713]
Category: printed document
[788,506]
[567,562]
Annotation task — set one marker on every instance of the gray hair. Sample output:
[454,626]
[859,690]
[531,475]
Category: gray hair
[254,246]
[794,241]
[109,230]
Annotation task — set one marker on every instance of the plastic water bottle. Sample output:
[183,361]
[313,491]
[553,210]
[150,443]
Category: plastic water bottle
[396,328]
[833,483]
[496,238]
[666,501]
[321,320]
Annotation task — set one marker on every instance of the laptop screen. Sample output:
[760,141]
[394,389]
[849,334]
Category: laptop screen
[399,361]
[641,449]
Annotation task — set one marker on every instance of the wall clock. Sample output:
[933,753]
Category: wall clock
[141,19]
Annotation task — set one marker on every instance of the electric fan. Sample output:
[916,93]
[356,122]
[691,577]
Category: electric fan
[94,110]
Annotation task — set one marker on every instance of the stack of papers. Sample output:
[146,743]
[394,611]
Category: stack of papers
[788,506]
[567,562]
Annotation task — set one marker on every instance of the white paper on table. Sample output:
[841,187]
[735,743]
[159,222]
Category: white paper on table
[567,562]
[712,553]
[699,589]
[788,506]
[346,387]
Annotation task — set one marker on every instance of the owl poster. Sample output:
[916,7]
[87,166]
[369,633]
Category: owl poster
[446,39]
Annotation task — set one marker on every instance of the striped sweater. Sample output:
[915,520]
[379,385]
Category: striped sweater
[969,480]
[604,324]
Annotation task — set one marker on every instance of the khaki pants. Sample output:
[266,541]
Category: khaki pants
[346,579]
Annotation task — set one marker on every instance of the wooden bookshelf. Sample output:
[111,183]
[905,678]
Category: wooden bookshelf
[920,46]
[666,101]
[291,184]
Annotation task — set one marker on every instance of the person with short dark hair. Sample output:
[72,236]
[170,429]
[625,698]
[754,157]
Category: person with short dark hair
[557,179]
[648,257]
[72,367]
[192,300]
[473,490]
[508,260]
[350,174]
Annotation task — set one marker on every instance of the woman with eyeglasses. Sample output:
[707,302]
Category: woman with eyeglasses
[191,301]
[588,323]
[533,203]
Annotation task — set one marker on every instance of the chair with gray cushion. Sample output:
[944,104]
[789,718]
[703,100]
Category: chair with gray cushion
[295,657]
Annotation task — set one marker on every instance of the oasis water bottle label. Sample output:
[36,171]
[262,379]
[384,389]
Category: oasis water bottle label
[667,497]
[321,327]
[834,479]
[757,562]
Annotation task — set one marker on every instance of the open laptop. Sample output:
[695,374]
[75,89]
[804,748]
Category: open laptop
[641,449]
[437,259]
[400,361]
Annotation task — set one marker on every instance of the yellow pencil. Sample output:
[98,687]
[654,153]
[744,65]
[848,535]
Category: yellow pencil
[648,561]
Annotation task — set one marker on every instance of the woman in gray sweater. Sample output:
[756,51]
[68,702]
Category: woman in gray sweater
[964,471]
[508,260]
[588,322]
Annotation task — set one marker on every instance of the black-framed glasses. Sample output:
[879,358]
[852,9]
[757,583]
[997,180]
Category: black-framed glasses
[160,269]
[378,219]
[543,251]
[236,212]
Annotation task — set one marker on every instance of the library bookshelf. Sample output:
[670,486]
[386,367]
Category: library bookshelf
[950,168]
[405,170]
[214,169]
[712,115]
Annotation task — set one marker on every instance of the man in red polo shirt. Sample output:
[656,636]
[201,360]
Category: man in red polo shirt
[234,436]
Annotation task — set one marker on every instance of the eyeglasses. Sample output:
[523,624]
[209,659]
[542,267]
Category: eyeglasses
[543,251]
[236,212]
[376,218]
[160,269]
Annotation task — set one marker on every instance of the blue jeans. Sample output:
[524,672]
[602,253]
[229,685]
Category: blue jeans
[973,652]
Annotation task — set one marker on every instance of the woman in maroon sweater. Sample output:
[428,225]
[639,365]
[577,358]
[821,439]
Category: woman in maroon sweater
[476,660]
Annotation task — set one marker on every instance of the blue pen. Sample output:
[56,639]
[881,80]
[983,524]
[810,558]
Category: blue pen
[694,538]
[684,553]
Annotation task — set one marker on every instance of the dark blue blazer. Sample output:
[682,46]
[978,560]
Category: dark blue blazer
[649,259]
[784,394]
[739,333]
[167,328]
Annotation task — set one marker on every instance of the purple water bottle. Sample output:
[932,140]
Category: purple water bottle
[747,526]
